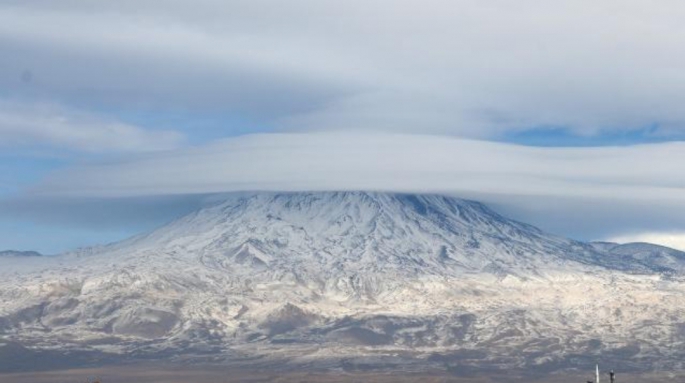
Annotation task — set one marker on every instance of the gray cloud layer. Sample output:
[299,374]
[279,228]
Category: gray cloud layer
[583,192]
[468,67]
[392,162]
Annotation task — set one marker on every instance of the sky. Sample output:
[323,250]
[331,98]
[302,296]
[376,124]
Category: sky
[116,117]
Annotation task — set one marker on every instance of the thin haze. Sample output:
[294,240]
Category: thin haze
[118,101]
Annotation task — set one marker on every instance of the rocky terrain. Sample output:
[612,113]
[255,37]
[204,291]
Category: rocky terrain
[348,280]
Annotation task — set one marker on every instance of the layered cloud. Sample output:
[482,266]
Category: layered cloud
[31,126]
[587,193]
[469,67]
[336,161]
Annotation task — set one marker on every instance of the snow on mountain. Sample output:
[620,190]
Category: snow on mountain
[323,277]
[657,257]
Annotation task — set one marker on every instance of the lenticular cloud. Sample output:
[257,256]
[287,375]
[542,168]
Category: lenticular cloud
[331,161]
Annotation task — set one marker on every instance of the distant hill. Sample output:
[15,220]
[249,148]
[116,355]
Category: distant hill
[655,257]
[14,253]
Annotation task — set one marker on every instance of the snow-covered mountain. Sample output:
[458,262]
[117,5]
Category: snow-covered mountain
[352,278]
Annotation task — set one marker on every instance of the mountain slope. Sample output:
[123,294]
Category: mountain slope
[319,278]
[358,230]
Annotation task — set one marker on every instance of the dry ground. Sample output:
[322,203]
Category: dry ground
[166,374]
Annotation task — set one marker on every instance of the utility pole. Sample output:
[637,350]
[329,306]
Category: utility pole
[597,373]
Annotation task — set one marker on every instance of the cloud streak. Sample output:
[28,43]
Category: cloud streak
[25,125]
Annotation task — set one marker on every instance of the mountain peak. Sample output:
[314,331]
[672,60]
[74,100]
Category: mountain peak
[356,230]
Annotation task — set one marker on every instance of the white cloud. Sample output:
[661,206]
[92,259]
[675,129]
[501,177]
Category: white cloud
[40,125]
[672,240]
[469,67]
[585,193]
[388,162]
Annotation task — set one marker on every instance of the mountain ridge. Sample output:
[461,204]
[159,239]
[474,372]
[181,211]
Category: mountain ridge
[17,253]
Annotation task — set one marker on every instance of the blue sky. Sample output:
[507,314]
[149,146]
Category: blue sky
[115,89]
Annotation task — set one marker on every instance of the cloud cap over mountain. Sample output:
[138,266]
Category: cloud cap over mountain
[167,82]
[588,193]
[341,161]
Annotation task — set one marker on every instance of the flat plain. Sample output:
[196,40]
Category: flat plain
[159,373]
